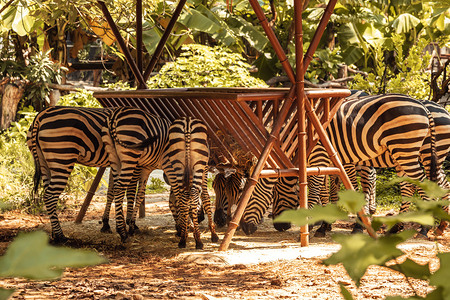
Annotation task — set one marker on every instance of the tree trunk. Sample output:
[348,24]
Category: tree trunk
[12,93]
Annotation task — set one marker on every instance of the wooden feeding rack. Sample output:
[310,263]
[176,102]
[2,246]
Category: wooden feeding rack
[279,127]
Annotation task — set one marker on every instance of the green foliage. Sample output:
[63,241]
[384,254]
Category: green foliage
[41,71]
[203,66]
[156,186]
[16,163]
[80,98]
[388,192]
[410,77]
[30,256]
[359,251]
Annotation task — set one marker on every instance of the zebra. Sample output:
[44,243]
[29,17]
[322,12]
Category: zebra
[228,189]
[280,193]
[58,138]
[368,173]
[185,163]
[135,141]
[365,129]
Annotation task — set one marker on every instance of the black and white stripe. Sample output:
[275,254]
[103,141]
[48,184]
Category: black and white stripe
[135,141]
[185,164]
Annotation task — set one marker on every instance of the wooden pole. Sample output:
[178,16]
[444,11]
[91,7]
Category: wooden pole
[251,182]
[139,44]
[123,46]
[163,40]
[301,120]
[90,194]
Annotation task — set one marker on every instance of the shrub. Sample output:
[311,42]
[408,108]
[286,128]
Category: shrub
[203,66]
[16,163]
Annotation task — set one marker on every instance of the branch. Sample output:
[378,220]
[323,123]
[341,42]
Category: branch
[74,88]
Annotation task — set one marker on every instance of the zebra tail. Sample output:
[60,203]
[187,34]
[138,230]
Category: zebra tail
[434,157]
[32,145]
[142,145]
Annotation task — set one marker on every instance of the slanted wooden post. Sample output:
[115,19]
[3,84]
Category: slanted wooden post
[90,195]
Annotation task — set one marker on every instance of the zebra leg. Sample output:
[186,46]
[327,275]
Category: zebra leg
[194,217]
[206,204]
[183,219]
[51,196]
[175,211]
[368,184]
[140,198]
[109,199]
[51,200]
[131,194]
[119,193]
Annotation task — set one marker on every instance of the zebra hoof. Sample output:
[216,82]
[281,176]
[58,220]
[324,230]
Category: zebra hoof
[248,228]
[395,229]
[59,239]
[133,229]
[220,218]
[182,244]
[198,245]
[282,226]
[214,238]
[124,238]
[106,228]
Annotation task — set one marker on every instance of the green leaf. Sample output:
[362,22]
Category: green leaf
[420,217]
[412,269]
[345,293]
[359,251]
[431,188]
[30,256]
[434,295]
[301,217]
[247,30]
[23,22]
[405,23]
[441,276]
[352,54]
[351,201]
[195,20]
[5,294]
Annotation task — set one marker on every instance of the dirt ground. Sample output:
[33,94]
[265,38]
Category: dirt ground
[151,266]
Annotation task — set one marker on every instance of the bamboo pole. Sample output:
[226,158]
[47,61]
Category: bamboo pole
[163,40]
[251,182]
[123,46]
[90,195]
[301,120]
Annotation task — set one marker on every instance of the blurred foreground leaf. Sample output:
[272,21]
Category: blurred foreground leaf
[423,218]
[440,278]
[432,189]
[412,269]
[5,294]
[359,251]
[351,201]
[301,217]
[30,256]
[345,293]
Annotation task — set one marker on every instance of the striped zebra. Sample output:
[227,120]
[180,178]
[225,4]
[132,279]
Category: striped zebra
[441,120]
[185,163]
[228,189]
[365,129]
[280,193]
[135,141]
[58,138]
